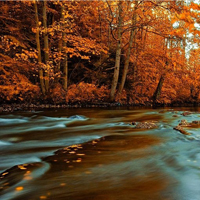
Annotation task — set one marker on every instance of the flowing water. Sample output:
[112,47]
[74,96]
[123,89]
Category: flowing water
[88,154]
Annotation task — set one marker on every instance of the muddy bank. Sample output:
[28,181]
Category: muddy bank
[31,107]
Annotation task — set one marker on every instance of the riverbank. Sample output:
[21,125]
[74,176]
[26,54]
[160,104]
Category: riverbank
[31,107]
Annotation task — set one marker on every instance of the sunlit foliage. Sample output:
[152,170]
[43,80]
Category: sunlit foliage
[67,51]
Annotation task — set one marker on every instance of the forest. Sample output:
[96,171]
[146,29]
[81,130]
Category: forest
[93,52]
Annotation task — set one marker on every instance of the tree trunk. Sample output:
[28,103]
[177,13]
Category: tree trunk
[184,47]
[109,33]
[65,72]
[60,54]
[171,46]
[194,94]
[60,40]
[133,30]
[46,46]
[65,63]
[145,39]
[41,77]
[118,55]
[158,89]
[100,34]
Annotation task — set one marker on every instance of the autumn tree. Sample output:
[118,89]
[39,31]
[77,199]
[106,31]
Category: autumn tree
[143,51]
[118,53]
[130,43]
[41,75]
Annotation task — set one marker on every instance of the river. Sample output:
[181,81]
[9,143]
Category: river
[95,154]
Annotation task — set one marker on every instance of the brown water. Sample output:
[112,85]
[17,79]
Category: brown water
[95,154]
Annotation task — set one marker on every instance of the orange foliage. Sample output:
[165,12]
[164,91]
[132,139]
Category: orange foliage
[57,94]
[14,85]
[82,45]
[86,93]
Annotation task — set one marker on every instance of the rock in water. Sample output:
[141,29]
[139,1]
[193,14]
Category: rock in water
[181,130]
[184,123]
[186,113]
[196,122]
[133,123]
[146,125]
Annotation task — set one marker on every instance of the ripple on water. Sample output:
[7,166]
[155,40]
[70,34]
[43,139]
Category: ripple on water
[3,143]
[18,178]
[8,120]
[118,162]
[77,117]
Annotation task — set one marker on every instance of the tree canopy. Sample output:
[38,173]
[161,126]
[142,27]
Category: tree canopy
[131,52]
